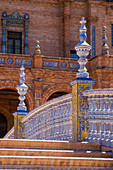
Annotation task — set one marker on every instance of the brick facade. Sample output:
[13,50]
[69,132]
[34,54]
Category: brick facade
[56,25]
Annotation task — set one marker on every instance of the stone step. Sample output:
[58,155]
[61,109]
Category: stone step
[53,153]
[62,162]
[53,145]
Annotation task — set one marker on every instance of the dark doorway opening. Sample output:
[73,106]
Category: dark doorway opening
[56,94]
[3,125]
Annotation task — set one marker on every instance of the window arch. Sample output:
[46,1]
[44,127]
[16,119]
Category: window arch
[3,125]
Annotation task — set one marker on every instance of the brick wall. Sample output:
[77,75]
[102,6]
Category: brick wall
[56,24]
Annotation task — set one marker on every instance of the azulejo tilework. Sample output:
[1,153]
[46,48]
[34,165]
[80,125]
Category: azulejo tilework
[73,65]
[80,108]
[17,123]
[74,112]
[63,64]
[50,63]
[2,60]
[37,95]
[93,41]
[10,61]
[20,61]
[55,64]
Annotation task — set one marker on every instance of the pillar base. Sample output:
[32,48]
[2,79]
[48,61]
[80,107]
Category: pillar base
[80,126]
[18,126]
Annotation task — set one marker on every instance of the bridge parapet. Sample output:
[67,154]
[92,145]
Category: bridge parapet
[51,121]
[100,116]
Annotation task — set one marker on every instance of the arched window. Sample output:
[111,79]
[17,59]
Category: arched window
[3,125]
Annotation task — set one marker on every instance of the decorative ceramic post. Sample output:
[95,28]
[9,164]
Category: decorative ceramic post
[105,48]
[21,109]
[80,126]
[4,17]
[37,48]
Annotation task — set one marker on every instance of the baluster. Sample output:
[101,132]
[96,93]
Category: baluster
[111,103]
[111,135]
[94,103]
[98,103]
[90,131]
[94,131]
[102,103]
[107,103]
[99,132]
[107,134]
[103,132]
[90,103]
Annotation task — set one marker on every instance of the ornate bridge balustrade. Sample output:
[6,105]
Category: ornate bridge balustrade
[100,116]
[52,120]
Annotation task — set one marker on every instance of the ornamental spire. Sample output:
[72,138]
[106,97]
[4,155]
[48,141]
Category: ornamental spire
[37,48]
[105,48]
[82,49]
[22,90]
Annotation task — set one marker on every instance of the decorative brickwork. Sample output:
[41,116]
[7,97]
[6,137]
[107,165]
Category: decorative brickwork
[59,35]
[55,88]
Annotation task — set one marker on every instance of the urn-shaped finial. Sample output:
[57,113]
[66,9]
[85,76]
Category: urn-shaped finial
[22,90]
[82,49]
